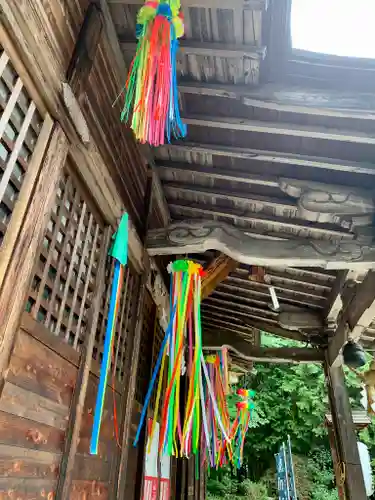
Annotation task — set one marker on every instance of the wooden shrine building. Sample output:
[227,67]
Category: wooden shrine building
[277,171]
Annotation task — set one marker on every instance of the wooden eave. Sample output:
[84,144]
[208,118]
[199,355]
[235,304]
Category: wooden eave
[263,119]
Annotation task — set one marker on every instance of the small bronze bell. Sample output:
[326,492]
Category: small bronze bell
[354,355]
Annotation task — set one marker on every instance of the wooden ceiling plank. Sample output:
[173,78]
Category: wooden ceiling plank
[291,99]
[217,271]
[264,156]
[311,132]
[237,325]
[215,301]
[263,354]
[255,217]
[193,237]
[286,295]
[251,198]
[217,173]
[208,4]
[207,49]
[242,314]
[301,290]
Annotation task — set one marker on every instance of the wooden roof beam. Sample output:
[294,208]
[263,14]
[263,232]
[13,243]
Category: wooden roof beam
[199,236]
[259,155]
[358,313]
[311,132]
[208,4]
[195,210]
[208,49]
[245,349]
[291,99]
[217,271]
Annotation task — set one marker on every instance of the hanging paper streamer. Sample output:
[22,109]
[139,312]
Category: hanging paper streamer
[180,430]
[245,407]
[119,252]
[203,424]
[151,96]
[217,434]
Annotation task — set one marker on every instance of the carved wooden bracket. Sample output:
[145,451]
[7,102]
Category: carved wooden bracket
[217,271]
[347,207]
[200,236]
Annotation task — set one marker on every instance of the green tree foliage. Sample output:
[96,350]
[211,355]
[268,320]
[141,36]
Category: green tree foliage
[290,400]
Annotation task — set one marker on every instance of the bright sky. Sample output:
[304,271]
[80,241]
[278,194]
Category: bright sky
[337,27]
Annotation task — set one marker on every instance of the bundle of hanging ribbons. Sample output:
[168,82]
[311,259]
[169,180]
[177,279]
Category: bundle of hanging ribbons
[151,94]
[203,424]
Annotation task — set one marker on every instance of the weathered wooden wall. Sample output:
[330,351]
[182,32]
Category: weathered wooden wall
[45,33]
[57,202]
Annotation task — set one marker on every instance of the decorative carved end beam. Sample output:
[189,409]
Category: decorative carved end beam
[200,236]
[247,351]
[218,270]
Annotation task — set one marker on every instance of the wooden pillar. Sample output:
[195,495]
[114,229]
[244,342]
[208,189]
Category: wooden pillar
[344,433]
[19,273]
[135,347]
[191,482]
[336,463]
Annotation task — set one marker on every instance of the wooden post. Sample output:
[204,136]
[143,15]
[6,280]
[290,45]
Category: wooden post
[135,346]
[344,432]
[336,463]
[79,395]
[19,273]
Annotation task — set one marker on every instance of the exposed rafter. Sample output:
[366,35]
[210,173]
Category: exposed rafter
[283,227]
[200,236]
[207,49]
[261,297]
[215,273]
[239,321]
[274,157]
[320,102]
[272,355]
[279,276]
[301,289]
[311,132]
[238,197]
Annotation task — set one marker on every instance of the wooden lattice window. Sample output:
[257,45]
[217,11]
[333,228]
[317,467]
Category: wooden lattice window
[64,281]
[20,126]
[124,322]
[146,349]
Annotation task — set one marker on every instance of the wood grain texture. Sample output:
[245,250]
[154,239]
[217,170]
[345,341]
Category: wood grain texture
[20,269]
[37,369]
[107,442]
[27,488]
[23,403]
[345,433]
[19,431]
[79,395]
[90,490]
[16,461]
